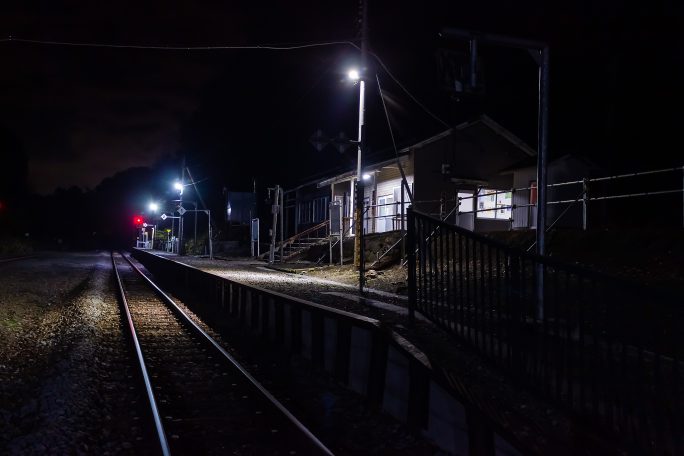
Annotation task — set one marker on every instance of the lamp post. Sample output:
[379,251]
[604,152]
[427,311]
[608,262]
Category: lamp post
[154,207]
[355,76]
[179,186]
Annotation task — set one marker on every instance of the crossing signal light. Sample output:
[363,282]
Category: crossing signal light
[138,220]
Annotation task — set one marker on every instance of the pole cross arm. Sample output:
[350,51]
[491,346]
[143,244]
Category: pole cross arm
[490,38]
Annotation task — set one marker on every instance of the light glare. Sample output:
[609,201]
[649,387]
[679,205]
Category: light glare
[354,75]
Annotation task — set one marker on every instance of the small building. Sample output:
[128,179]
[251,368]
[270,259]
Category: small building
[463,175]
[458,174]
[569,169]
[383,194]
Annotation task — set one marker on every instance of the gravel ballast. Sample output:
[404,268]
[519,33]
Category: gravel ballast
[68,385]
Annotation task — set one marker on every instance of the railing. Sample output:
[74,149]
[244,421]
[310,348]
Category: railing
[609,351]
[315,232]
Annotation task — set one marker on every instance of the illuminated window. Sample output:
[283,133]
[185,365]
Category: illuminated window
[493,204]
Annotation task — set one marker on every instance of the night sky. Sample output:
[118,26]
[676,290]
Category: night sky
[73,116]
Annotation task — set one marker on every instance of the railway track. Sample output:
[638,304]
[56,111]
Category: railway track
[202,401]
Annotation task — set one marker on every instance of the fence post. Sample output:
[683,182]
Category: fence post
[585,201]
[402,221]
[514,312]
[411,264]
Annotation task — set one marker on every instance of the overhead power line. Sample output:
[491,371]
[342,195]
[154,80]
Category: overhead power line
[266,47]
[272,47]
[422,106]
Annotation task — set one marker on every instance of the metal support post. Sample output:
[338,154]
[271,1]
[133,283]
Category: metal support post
[411,265]
[585,202]
[403,229]
[543,135]
[473,63]
[181,251]
[274,226]
[281,205]
[341,236]
[211,243]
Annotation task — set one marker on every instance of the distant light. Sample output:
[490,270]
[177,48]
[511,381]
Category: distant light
[366,176]
[354,75]
[178,186]
[154,207]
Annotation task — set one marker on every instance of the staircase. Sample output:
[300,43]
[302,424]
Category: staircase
[297,244]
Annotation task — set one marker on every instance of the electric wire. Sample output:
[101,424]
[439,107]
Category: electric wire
[422,106]
[394,144]
[270,47]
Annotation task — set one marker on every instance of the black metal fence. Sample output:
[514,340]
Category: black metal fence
[607,350]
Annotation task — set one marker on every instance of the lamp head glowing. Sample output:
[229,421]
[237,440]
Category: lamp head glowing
[354,75]
[154,207]
[366,176]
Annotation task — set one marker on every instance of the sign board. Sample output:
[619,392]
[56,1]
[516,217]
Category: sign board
[255,230]
[335,217]
[163,216]
[181,210]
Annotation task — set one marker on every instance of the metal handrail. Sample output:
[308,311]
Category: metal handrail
[306,232]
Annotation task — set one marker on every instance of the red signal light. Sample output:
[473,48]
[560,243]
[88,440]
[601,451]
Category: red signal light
[137,220]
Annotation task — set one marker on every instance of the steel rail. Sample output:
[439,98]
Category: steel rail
[141,362]
[8,260]
[275,402]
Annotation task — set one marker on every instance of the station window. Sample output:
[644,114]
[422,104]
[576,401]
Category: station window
[492,204]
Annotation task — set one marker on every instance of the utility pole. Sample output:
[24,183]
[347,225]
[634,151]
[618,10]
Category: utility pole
[358,219]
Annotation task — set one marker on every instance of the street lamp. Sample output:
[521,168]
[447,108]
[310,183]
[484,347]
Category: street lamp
[354,75]
[154,207]
[178,185]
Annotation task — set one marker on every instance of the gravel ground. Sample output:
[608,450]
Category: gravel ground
[66,381]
